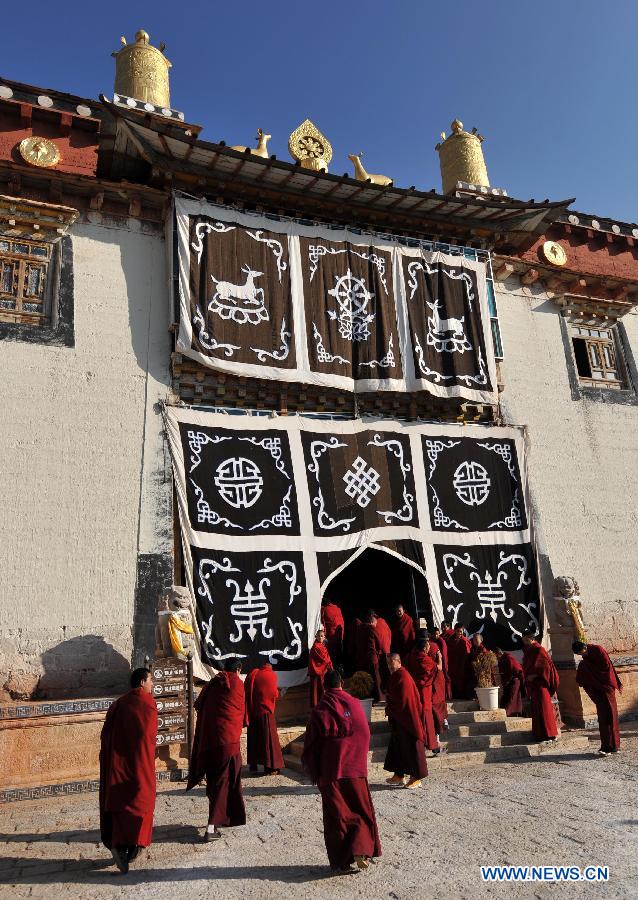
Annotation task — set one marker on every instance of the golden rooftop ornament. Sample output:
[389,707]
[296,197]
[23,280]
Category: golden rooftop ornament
[38,151]
[461,158]
[262,145]
[310,147]
[360,173]
[554,253]
[141,71]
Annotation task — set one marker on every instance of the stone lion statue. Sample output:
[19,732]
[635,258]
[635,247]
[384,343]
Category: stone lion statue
[175,635]
[569,606]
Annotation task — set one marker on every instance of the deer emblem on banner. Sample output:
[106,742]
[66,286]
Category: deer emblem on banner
[446,335]
[240,302]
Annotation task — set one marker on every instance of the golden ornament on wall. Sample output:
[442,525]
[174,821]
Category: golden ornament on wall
[310,147]
[38,151]
[554,253]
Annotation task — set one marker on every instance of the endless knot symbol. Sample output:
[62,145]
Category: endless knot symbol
[239,481]
[352,298]
[362,482]
[471,483]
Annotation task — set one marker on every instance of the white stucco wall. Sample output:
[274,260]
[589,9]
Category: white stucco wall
[86,484]
[583,465]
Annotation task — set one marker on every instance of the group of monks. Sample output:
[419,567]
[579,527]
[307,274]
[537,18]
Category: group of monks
[416,675]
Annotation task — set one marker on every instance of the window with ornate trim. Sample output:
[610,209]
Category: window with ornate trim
[599,358]
[24,283]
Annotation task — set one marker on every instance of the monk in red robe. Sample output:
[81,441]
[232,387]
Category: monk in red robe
[406,750]
[541,679]
[437,638]
[332,621]
[439,686]
[319,663]
[263,747]
[598,678]
[368,652]
[512,682]
[221,708]
[458,655]
[335,755]
[446,631]
[384,633]
[424,668]
[403,633]
[127,771]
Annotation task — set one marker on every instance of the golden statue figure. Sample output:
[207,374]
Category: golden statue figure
[361,175]
[310,147]
[262,145]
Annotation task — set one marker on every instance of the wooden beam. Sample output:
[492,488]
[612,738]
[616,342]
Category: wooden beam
[530,276]
[503,272]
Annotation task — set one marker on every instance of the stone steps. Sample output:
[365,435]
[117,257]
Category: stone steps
[474,737]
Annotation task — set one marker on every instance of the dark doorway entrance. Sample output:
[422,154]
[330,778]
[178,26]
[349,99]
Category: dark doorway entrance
[379,581]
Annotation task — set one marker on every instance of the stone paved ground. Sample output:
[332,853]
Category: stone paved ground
[575,809]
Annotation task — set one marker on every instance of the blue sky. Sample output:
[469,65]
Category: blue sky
[547,83]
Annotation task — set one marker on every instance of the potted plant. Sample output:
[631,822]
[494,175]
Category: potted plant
[486,690]
[360,686]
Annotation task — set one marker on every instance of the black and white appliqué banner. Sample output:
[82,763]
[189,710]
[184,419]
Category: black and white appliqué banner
[272,299]
[272,510]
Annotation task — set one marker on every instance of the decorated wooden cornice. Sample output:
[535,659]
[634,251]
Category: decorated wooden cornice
[590,273]
[34,220]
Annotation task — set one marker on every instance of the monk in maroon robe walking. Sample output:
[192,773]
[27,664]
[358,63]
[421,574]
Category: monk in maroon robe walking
[216,753]
[368,652]
[406,750]
[437,638]
[512,682]
[598,678]
[319,663]
[384,633]
[335,755]
[541,679]
[439,686]
[332,621]
[424,668]
[403,633]
[263,747]
[127,771]
[458,655]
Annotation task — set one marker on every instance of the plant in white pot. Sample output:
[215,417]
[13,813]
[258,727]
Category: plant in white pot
[360,686]
[486,691]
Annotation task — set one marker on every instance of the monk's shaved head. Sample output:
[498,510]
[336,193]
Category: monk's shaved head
[139,676]
[394,662]
[579,647]
[233,664]
[332,679]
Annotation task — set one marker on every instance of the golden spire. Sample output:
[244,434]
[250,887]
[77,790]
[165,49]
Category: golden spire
[310,147]
[461,158]
[141,71]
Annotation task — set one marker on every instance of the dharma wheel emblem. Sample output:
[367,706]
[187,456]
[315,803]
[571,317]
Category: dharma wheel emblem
[352,298]
[554,253]
[310,147]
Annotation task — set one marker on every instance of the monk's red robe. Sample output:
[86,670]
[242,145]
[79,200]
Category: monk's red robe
[541,679]
[403,636]
[458,654]
[423,669]
[513,683]
[447,634]
[220,708]
[439,691]
[127,771]
[406,751]
[441,643]
[335,755]
[318,664]
[367,654]
[263,747]
[598,678]
[332,621]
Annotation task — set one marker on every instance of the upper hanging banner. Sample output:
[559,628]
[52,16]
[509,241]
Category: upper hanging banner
[265,298]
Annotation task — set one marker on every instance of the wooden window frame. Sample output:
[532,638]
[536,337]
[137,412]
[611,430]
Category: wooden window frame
[604,356]
[19,253]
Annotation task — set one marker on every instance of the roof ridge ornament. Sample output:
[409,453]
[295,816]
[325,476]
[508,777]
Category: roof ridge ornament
[141,71]
[309,147]
[461,158]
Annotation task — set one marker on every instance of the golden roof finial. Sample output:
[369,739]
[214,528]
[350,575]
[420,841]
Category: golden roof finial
[141,71]
[310,147]
[461,158]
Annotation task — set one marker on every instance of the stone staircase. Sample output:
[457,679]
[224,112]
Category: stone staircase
[473,737]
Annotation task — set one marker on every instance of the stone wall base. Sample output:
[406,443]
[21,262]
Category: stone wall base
[578,710]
